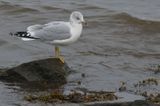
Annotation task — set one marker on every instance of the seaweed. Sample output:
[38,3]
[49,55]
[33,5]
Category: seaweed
[74,97]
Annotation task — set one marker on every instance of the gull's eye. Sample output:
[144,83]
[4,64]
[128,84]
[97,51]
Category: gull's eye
[77,18]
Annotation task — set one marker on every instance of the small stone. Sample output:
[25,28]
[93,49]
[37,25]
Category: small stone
[79,82]
[83,75]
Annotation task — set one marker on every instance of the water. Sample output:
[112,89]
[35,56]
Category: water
[143,9]
[120,43]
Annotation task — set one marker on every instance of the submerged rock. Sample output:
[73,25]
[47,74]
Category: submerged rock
[46,70]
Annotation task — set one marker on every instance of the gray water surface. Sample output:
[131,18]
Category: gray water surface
[120,42]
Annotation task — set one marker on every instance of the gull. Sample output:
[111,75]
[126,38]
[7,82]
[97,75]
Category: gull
[58,33]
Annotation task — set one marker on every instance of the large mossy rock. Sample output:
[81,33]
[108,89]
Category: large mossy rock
[50,70]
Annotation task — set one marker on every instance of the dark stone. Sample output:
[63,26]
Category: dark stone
[50,70]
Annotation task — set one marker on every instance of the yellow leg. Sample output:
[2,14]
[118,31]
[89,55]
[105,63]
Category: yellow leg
[57,54]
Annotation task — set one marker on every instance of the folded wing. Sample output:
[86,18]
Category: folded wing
[51,31]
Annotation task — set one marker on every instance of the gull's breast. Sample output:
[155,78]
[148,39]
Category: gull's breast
[76,32]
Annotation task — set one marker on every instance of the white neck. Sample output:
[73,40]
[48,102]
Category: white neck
[76,29]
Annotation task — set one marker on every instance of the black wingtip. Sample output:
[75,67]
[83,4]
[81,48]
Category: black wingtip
[22,34]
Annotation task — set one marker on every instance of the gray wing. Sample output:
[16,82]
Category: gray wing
[35,27]
[51,31]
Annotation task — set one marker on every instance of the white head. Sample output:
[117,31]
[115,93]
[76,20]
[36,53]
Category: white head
[76,17]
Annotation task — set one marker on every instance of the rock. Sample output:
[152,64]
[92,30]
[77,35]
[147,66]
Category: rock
[50,70]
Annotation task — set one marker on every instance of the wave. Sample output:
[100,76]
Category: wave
[10,8]
[48,8]
[134,21]
[23,10]
[7,6]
